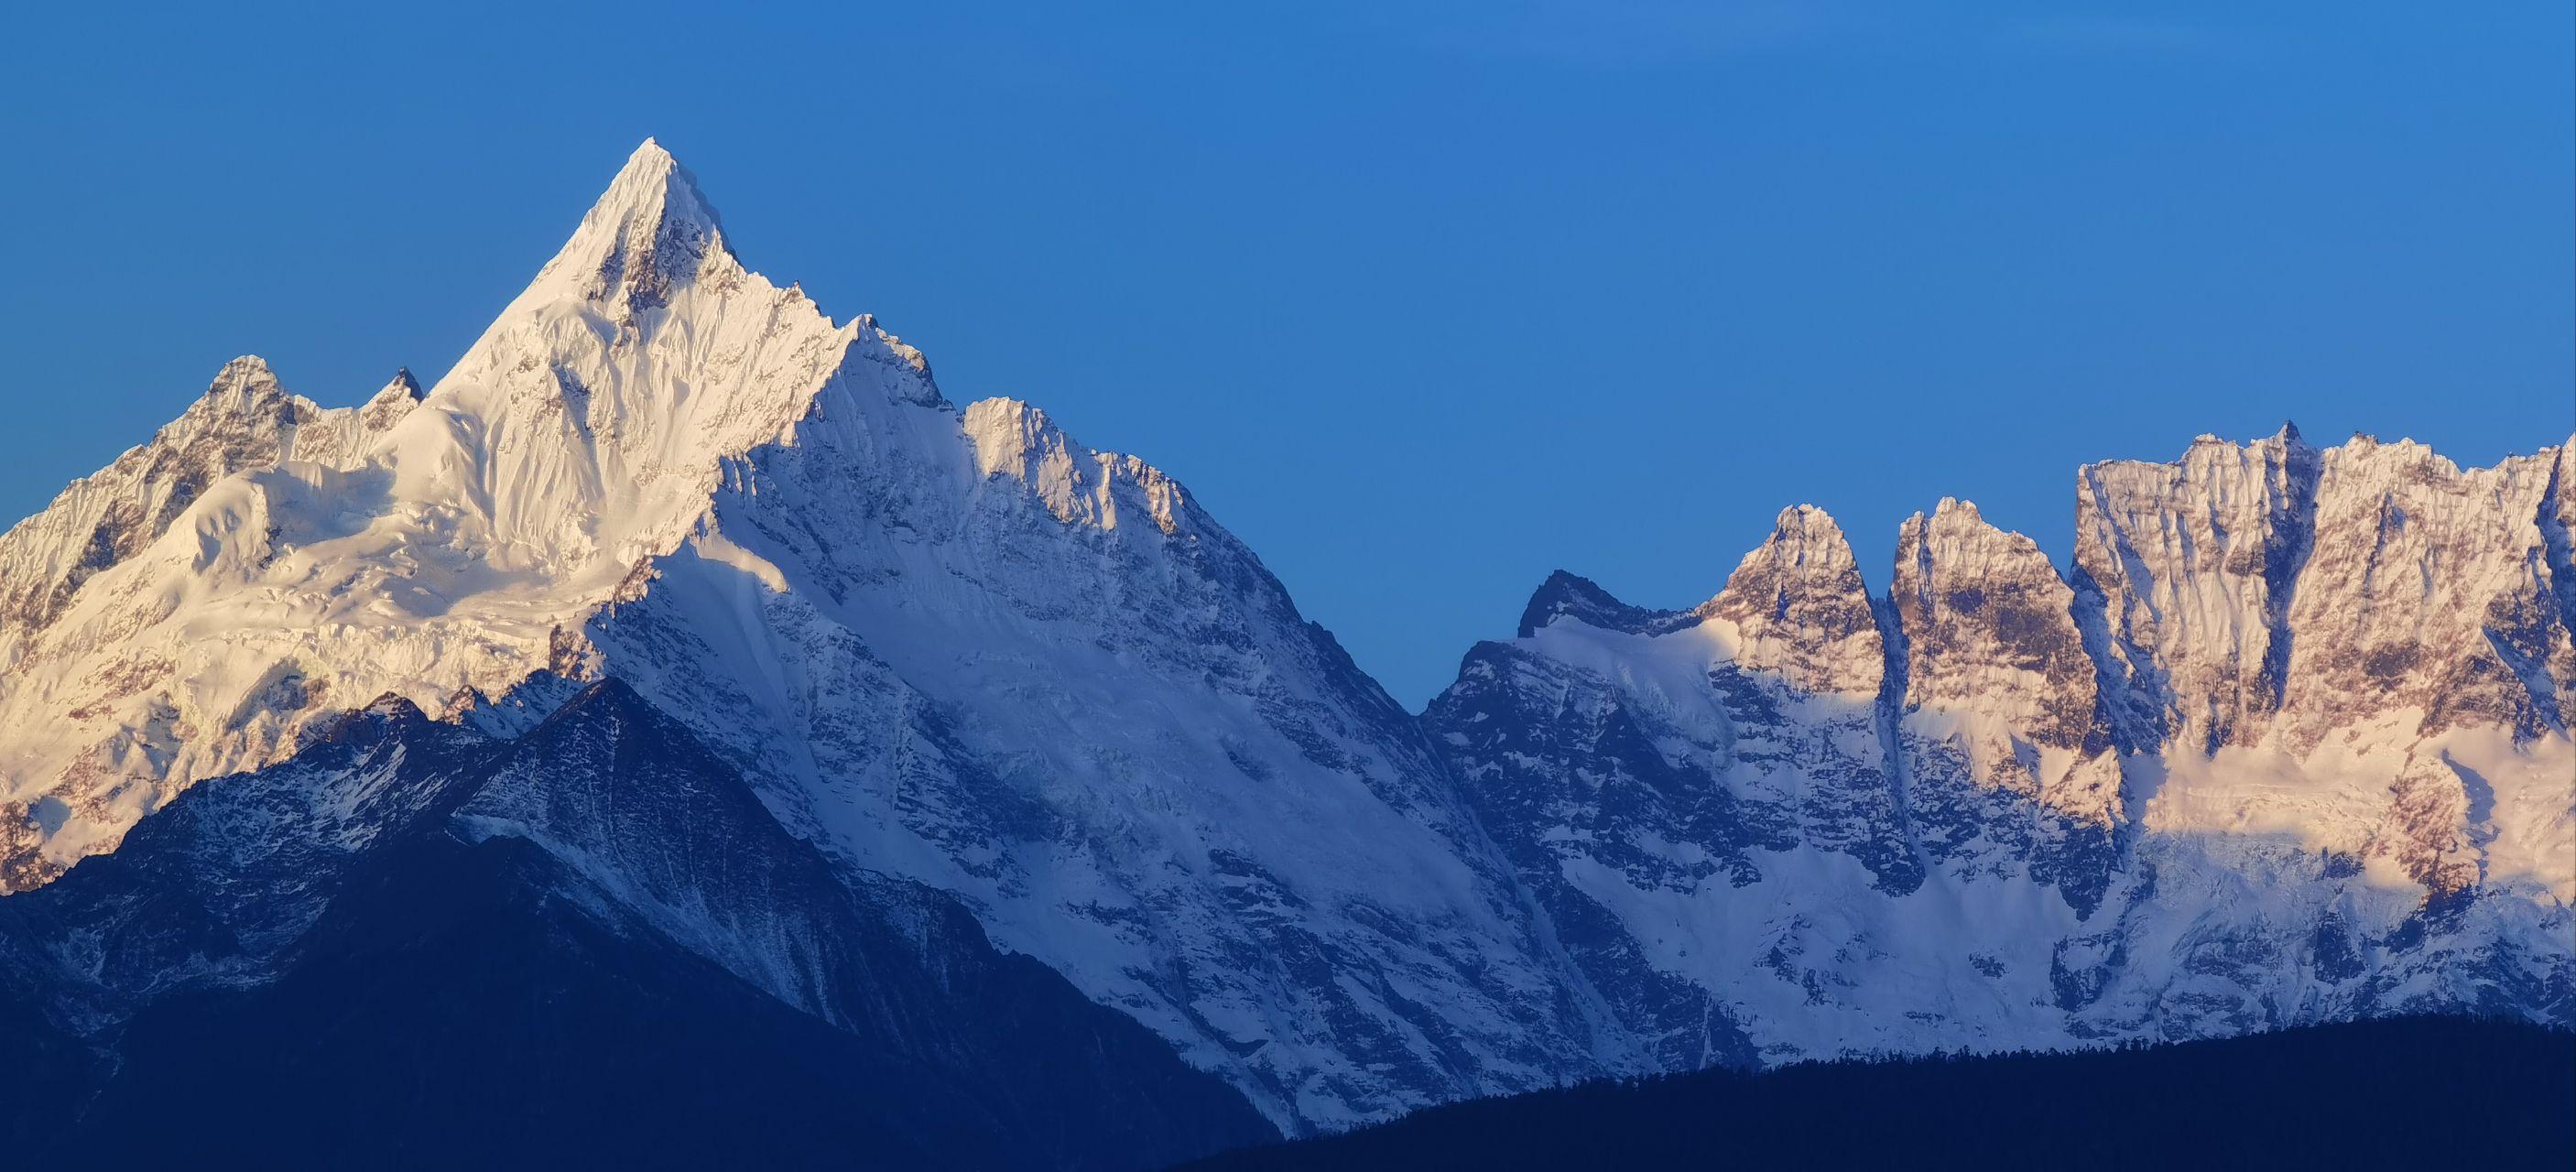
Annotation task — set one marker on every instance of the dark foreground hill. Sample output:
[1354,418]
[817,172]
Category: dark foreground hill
[2398,1093]
[589,946]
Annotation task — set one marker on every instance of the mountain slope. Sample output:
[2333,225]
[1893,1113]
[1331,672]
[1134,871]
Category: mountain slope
[590,940]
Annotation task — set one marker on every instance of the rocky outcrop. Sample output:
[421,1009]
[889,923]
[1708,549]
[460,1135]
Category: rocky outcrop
[1803,668]
[2429,591]
[2287,743]
[2004,735]
[2194,565]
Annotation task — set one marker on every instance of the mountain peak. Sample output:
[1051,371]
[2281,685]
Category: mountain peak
[245,384]
[1565,594]
[404,385]
[1800,607]
[395,400]
[1954,529]
[651,230]
[650,167]
[1806,535]
[1806,551]
[654,173]
[247,370]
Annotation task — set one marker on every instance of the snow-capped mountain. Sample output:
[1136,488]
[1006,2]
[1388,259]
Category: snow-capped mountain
[948,646]
[92,750]
[2288,744]
[700,633]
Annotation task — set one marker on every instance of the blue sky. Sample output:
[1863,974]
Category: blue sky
[1423,300]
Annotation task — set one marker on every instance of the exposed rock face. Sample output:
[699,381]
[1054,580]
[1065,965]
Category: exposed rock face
[1800,611]
[2414,647]
[2431,591]
[2196,562]
[1804,667]
[2290,745]
[2003,731]
[1586,782]
[2271,588]
[1988,624]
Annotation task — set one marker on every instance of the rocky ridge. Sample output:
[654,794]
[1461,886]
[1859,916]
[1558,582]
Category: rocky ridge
[2286,742]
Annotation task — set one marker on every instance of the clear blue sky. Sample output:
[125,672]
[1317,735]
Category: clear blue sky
[1424,300]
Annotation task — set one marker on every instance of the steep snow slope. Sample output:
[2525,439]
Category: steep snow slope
[2168,799]
[969,651]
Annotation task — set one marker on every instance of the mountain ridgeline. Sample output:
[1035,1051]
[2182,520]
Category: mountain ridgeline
[683,683]
[2002,806]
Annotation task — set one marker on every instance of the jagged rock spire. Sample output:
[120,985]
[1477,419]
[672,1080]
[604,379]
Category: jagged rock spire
[1801,608]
